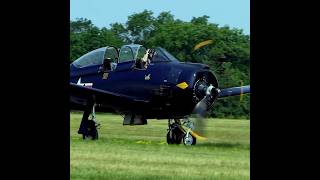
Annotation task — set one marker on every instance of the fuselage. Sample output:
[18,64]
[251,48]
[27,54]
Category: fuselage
[167,85]
[157,84]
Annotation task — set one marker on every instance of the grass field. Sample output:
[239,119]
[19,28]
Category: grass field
[141,152]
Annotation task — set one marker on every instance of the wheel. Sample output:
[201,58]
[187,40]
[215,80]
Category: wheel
[92,132]
[174,135]
[190,140]
[93,135]
[169,139]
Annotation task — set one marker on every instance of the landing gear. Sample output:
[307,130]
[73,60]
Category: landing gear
[188,139]
[177,134]
[88,128]
[92,132]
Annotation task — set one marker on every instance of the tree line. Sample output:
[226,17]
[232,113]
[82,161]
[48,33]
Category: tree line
[228,55]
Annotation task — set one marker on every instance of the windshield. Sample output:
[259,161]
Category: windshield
[163,55]
[92,58]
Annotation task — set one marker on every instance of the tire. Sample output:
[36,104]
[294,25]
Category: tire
[190,141]
[176,137]
[92,132]
[169,140]
[91,135]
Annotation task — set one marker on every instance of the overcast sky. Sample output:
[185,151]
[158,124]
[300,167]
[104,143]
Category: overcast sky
[234,13]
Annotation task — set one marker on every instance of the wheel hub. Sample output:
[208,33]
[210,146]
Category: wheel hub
[188,140]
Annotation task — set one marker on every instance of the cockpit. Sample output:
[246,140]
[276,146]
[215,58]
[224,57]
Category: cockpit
[110,57]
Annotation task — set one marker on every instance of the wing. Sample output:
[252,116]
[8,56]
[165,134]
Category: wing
[234,91]
[81,96]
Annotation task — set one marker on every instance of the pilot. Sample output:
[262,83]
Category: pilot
[147,58]
[113,65]
[150,54]
[107,64]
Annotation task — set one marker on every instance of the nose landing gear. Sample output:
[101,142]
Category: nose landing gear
[188,139]
[177,134]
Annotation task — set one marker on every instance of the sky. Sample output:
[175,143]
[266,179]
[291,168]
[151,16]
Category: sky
[234,13]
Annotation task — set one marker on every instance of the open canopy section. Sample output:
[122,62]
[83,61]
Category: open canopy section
[134,52]
[161,54]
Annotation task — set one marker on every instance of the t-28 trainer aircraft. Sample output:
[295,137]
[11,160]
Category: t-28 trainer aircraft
[142,84]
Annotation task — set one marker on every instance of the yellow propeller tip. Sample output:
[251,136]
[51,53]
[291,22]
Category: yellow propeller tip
[198,136]
[201,44]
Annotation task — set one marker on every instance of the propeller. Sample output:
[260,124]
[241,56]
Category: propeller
[209,94]
[201,108]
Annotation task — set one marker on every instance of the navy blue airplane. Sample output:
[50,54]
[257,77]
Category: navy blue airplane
[142,84]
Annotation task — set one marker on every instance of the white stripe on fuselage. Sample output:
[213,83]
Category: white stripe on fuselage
[84,84]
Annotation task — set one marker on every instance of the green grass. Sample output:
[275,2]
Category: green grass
[141,152]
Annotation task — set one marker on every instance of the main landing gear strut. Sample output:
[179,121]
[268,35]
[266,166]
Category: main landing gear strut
[89,127]
[177,134]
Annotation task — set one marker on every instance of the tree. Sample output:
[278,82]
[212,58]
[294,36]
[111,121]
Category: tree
[203,20]
[85,37]
[228,56]
[80,25]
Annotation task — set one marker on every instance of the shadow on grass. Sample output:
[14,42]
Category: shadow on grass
[152,143]
[224,145]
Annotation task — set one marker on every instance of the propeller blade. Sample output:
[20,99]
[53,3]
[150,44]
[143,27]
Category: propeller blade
[199,112]
[194,134]
[201,44]
[234,91]
[202,106]
[241,95]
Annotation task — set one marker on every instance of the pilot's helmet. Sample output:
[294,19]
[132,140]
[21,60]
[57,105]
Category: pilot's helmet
[107,59]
